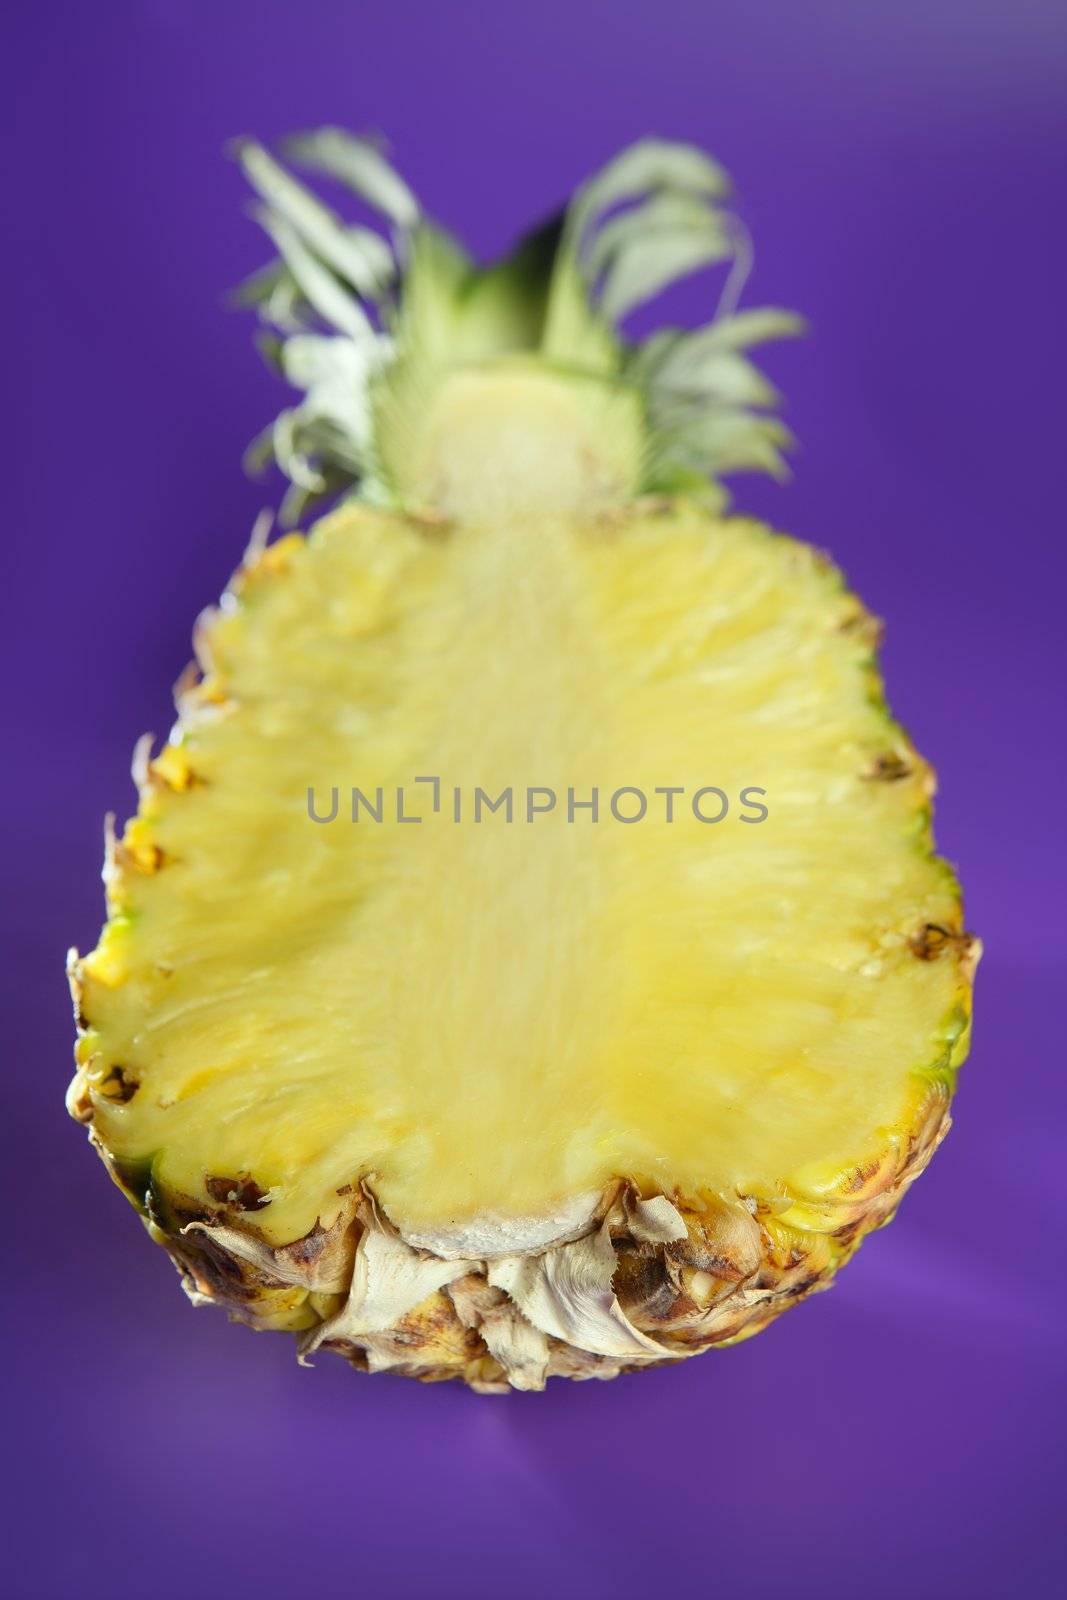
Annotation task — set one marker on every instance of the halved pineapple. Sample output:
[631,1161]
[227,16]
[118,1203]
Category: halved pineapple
[528,956]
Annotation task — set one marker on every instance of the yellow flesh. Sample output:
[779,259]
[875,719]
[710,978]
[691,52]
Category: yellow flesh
[494,1017]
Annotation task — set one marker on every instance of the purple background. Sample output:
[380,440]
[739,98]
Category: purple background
[898,165]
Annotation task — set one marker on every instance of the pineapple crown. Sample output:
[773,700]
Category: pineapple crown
[370,323]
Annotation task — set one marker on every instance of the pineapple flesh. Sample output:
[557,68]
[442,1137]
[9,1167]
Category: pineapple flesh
[529,955]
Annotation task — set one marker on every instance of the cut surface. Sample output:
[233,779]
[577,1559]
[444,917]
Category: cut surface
[494,1016]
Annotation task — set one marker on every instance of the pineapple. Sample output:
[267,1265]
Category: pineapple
[528,956]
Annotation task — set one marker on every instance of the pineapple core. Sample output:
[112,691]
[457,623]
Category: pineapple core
[494,1016]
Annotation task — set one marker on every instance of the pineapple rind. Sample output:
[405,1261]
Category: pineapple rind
[614,1297]
[622,1296]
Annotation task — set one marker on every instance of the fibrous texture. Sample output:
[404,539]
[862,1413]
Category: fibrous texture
[502,1095]
[529,955]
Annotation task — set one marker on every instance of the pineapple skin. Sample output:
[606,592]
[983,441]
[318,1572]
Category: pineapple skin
[724,1273]
[630,1280]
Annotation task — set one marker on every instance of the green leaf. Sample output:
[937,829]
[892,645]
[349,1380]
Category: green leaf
[361,166]
[744,328]
[643,250]
[309,359]
[336,374]
[729,440]
[663,214]
[317,284]
[292,460]
[287,309]
[648,266]
[357,254]
[258,287]
[643,168]
[695,369]
[259,453]
[576,332]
